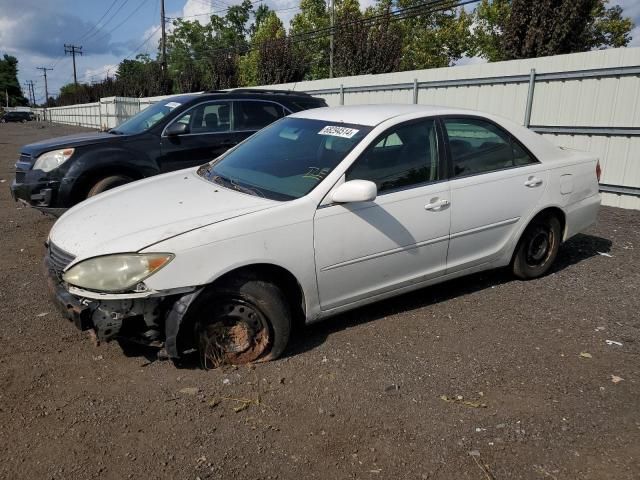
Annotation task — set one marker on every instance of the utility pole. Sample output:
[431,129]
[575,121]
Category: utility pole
[73,50]
[46,87]
[163,64]
[29,85]
[6,96]
[332,14]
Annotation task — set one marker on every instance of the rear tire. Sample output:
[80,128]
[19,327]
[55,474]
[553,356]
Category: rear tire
[244,319]
[538,247]
[108,183]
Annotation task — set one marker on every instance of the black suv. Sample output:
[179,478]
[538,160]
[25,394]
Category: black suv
[16,117]
[179,132]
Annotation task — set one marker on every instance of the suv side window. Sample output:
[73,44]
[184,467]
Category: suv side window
[254,115]
[478,146]
[208,118]
[404,156]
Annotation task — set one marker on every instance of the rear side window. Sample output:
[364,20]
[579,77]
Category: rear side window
[478,146]
[253,115]
[404,156]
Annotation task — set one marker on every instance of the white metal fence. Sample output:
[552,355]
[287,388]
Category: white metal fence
[589,101]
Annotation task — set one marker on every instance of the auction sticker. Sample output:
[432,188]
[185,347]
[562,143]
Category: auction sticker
[336,131]
[172,105]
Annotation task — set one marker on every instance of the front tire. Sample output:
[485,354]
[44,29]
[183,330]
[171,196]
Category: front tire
[538,248]
[244,319]
[108,183]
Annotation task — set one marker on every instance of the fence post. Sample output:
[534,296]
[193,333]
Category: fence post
[341,94]
[532,86]
[415,91]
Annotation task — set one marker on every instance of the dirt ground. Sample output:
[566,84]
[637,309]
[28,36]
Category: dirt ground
[485,377]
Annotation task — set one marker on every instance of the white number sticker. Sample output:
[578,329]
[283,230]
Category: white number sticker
[336,131]
[172,105]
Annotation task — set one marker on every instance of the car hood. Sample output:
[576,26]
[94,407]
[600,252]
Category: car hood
[68,141]
[140,214]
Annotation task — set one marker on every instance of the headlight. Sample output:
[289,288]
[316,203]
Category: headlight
[50,160]
[115,273]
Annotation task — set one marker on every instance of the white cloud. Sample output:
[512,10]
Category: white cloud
[199,10]
[470,61]
[99,73]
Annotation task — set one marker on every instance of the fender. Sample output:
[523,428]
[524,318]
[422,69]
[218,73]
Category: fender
[174,321]
[91,165]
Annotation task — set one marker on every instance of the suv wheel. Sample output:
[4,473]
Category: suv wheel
[108,183]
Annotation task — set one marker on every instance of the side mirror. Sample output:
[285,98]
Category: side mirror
[355,191]
[176,128]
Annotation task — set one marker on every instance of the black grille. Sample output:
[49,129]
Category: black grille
[20,176]
[59,259]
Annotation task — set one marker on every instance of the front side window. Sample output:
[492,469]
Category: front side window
[402,157]
[208,118]
[253,115]
[478,146]
[287,159]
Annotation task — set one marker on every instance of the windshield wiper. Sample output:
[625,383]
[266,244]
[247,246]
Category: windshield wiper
[233,185]
[113,131]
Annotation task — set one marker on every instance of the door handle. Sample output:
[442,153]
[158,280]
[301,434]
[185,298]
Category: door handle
[533,182]
[437,205]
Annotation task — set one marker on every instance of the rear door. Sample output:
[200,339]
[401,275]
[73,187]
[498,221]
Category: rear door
[495,185]
[211,133]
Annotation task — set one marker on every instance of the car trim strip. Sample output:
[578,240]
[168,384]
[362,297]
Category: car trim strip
[385,253]
[509,221]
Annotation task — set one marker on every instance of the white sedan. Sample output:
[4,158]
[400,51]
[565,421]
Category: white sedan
[321,212]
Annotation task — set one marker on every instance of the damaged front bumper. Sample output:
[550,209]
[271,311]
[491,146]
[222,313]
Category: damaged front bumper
[151,320]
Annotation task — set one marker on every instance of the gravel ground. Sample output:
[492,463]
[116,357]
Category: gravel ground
[484,377]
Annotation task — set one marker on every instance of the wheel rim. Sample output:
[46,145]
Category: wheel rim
[235,332]
[540,246]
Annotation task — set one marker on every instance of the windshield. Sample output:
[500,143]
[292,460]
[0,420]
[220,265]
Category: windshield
[287,159]
[147,118]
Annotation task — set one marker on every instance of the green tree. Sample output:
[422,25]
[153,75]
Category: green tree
[141,77]
[202,57]
[608,27]
[553,27]
[313,48]
[434,36]
[278,60]
[366,43]
[9,84]
[490,19]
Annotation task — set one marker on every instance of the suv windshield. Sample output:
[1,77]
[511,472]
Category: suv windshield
[287,159]
[148,117]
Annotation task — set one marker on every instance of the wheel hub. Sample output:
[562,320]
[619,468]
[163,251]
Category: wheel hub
[539,248]
[235,333]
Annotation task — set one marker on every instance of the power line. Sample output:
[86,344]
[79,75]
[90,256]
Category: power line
[98,22]
[110,18]
[213,12]
[426,8]
[104,35]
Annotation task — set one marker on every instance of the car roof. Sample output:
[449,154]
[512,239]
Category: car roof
[372,115]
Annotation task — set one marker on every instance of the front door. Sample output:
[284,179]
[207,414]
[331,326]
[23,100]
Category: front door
[495,186]
[211,133]
[401,237]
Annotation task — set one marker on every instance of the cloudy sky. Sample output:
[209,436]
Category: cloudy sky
[35,31]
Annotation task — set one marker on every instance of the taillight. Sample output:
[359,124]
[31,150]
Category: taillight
[598,171]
